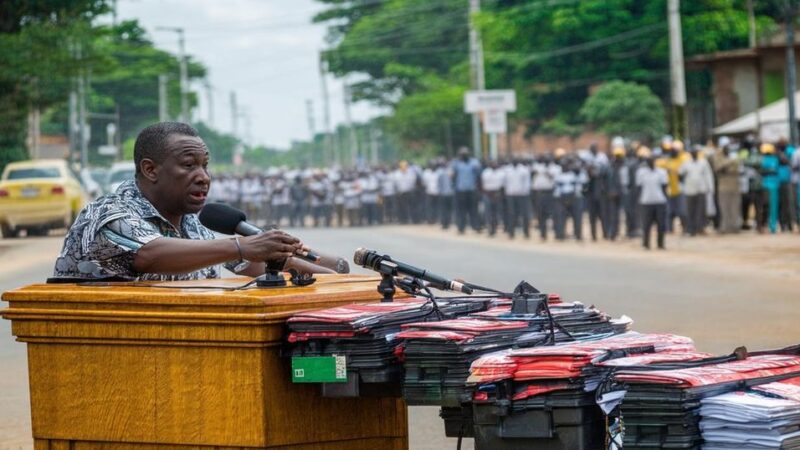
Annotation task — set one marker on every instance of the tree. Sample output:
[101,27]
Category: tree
[38,45]
[625,109]
[549,52]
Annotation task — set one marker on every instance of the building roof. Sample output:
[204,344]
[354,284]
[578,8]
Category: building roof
[773,116]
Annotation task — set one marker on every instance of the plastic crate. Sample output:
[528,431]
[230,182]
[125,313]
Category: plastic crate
[568,428]
[458,421]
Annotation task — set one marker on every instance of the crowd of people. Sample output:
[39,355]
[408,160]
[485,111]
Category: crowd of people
[729,187]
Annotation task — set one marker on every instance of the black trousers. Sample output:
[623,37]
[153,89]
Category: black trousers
[654,215]
[632,214]
[431,208]
[566,207]
[543,204]
[518,214]
[597,213]
[696,216]
[389,206]
[492,210]
[446,210]
[613,207]
[786,206]
[404,200]
[369,213]
[467,208]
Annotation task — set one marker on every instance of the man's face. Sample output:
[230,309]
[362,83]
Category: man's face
[183,178]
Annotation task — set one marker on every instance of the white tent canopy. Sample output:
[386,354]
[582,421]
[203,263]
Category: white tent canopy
[772,117]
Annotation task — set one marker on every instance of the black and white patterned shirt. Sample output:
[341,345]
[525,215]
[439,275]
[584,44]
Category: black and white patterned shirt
[109,231]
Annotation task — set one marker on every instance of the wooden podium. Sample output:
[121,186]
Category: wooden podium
[122,366]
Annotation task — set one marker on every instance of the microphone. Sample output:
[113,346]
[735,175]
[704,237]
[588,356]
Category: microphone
[370,259]
[225,219]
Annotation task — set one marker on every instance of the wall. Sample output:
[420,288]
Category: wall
[540,143]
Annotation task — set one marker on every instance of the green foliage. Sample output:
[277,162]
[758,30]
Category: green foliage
[45,44]
[559,127]
[625,109]
[550,51]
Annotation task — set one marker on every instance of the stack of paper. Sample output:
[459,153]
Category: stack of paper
[765,417]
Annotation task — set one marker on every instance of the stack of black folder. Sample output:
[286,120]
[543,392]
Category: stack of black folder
[437,355]
[660,408]
[365,333]
[544,397]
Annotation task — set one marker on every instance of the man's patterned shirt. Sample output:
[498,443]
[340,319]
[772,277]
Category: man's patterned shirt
[109,231]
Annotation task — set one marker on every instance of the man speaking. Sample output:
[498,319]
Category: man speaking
[149,230]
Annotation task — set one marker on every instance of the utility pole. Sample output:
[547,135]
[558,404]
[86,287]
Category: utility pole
[753,41]
[163,98]
[373,134]
[83,128]
[354,150]
[184,71]
[326,114]
[751,22]
[235,129]
[791,70]
[677,78]
[477,77]
[210,101]
[310,115]
[73,121]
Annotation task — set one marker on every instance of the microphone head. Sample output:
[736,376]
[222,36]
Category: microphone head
[360,257]
[221,218]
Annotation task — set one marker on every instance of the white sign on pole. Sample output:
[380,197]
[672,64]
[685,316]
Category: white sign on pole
[494,122]
[495,100]
[107,150]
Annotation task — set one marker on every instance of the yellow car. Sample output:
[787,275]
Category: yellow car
[39,195]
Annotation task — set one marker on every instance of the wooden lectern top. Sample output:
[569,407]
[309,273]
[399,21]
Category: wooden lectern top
[217,292]
[84,310]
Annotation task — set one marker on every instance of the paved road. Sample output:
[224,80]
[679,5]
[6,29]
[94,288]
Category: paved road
[718,306]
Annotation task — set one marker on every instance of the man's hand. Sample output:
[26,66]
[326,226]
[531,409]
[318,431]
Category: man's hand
[273,245]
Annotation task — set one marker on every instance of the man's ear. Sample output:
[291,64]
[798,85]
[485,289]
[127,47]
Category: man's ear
[149,170]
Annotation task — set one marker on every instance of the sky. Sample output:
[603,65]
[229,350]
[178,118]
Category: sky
[267,51]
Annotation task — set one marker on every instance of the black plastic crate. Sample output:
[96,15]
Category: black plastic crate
[458,421]
[568,428]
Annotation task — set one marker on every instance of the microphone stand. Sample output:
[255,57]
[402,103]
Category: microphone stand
[386,286]
[272,276]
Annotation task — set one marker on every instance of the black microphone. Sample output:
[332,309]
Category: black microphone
[226,219]
[370,259]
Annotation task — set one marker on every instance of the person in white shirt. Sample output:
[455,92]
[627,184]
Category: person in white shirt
[446,194]
[569,185]
[652,183]
[492,179]
[280,199]
[406,181]
[517,188]
[545,171]
[370,194]
[430,179]
[388,195]
[698,182]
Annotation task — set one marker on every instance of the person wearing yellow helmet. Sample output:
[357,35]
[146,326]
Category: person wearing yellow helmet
[770,182]
[673,159]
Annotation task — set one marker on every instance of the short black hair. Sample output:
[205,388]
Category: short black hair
[151,143]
